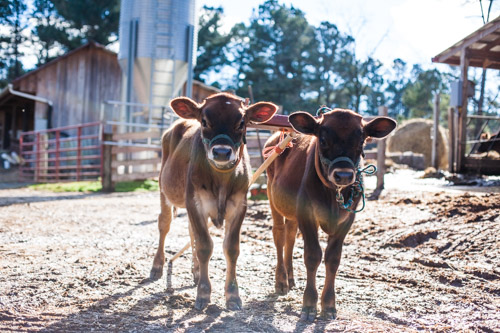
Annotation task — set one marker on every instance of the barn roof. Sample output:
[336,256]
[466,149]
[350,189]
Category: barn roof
[90,44]
[482,48]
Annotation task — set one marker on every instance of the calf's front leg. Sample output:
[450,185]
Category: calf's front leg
[291,235]
[312,259]
[204,247]
[234,219]
[332,260]
[281,277]
[164,220]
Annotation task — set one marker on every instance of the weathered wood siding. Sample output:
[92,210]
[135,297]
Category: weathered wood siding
[76,84]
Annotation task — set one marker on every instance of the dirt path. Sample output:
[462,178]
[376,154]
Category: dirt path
[412,261]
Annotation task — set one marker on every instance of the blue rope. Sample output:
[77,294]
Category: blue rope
[323,109]
[357,190]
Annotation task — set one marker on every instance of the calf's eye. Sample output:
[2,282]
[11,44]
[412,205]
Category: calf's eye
[203,123]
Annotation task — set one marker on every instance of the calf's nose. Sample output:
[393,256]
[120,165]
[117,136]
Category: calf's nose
[221,153]
[343,177]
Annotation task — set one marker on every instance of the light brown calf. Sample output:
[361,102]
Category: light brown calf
[206,169]
[303,184]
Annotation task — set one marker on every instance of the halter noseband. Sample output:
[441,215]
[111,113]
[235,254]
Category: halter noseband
[235,146]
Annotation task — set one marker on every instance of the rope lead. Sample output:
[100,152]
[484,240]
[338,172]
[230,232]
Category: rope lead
[358,189]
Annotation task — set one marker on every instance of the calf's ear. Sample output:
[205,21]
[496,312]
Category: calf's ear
[379,127]
[185,108]
[303,122]
[260,112]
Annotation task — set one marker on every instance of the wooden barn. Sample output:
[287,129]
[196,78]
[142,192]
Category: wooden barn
[67,91]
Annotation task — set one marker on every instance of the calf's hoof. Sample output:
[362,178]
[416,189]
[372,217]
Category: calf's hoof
[308,313]
[156,273]
[234,303]
[201,302]
[281,288]
[329,314]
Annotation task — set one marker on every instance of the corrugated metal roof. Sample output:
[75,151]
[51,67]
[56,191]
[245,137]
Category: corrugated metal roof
[482,48]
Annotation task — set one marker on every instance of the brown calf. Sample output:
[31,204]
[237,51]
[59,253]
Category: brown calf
[302,189]
[206,169]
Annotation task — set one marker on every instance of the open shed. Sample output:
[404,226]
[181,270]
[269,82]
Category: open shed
[479,49]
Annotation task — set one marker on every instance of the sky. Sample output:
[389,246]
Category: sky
[413,30]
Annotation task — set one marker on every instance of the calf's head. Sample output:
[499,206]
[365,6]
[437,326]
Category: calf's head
[340,137]
[223,119]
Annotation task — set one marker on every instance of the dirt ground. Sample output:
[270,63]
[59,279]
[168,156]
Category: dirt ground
[413,260]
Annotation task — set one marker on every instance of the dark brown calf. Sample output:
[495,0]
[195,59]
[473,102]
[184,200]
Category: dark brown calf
[206,169]
[492,142]
[302,189]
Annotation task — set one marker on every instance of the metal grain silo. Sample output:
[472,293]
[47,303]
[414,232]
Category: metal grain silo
[157,42]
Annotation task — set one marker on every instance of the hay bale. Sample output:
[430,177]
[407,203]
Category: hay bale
[415,136]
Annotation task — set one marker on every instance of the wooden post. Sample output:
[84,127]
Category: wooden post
[462,116]
[451,140]
[107,158]
[38,156]
[435,130]
[382,111]
[259,144]
[79,153]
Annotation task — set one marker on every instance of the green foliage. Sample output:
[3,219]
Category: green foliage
[271,54]
[212,43]
[83,186]
[330,47]
[95,186]
[89,20]
[11,17]
[396,86]
[133,186]
[419,93]
[49,33]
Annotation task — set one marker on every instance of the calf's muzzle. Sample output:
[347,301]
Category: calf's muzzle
[343,176]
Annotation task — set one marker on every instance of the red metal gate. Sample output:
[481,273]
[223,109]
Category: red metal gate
[69,153]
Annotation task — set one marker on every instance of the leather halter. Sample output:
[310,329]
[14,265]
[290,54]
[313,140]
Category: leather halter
[236,146]
[317,162]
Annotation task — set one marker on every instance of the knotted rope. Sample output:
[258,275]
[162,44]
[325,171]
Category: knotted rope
[357,190]
[268,151]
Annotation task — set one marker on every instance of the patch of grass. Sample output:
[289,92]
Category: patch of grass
[83,186]
[95,186]
[260,196]
[132,186]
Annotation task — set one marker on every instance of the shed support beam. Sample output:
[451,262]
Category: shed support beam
[462,121]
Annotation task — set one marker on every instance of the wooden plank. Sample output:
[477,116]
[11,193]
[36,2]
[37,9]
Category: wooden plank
[462,121]
[276,123]
[382,111]
[136,135]
[135,176]
[451,140]
[481,166]
[371,154]
[118,150]
[147,161]
[435,129]
[107,170]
